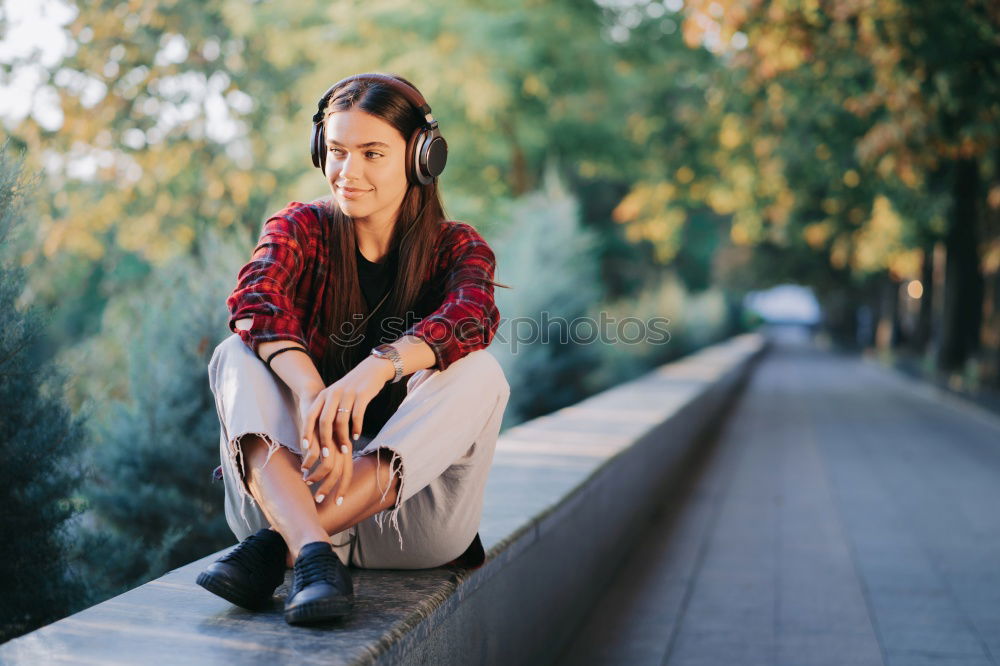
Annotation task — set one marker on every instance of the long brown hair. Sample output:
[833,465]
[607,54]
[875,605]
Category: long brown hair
[414,234]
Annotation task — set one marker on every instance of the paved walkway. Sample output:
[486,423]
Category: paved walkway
[843,515]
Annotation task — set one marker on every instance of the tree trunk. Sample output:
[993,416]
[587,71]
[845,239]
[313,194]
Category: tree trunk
[963,291]
[922,336]
[840,317]
[887,332]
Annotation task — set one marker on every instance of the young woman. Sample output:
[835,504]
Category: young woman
[342,300]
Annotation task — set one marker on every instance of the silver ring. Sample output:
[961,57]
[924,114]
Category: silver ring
[342,409]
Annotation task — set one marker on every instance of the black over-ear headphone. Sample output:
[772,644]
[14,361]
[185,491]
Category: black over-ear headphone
[426,149]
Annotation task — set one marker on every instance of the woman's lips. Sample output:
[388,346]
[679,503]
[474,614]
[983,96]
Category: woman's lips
[352,193]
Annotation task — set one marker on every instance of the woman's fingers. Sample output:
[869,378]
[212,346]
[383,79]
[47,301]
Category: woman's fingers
[336,419]
[323,469]
[330,480]
[345,477]
[357,418]
[330,464]
[326,418]
[342,421]
[339,478]
[310,443]
[312,448]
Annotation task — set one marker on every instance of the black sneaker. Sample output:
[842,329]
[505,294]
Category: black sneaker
[248,574]
[321,587]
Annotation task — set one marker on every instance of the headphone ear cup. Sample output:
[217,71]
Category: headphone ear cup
[412,158]
[435,155]
[317,146]
[427,152]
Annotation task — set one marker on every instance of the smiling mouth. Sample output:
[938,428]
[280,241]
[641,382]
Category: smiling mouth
[351,195]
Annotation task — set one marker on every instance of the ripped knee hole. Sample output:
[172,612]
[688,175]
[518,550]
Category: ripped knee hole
[251,451]
[392,476]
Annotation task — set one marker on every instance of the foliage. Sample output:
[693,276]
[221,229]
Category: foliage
[561,337]
[191,116]
[154,434]
[545,258]
[842,139]
[39,444]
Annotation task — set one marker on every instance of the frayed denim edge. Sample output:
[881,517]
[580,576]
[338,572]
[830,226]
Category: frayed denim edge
[236,461]
[395,466]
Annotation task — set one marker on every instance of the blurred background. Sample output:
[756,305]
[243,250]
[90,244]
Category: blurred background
[716,163]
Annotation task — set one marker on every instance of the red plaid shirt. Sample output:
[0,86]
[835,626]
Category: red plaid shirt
[282,287]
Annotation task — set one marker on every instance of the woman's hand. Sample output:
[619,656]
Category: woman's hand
[331,420]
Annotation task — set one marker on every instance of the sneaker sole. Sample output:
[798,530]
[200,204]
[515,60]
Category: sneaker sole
[233,594]
[320,611]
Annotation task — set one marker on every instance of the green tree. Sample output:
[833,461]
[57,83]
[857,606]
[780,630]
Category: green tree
[39,444]
[155,433]
[194,116]
[544,245]
[842,140]
[921,80]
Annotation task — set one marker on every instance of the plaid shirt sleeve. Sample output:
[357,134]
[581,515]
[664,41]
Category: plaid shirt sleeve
[266,285]
[468,317]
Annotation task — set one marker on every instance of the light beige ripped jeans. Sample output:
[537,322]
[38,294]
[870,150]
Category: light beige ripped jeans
[442,437]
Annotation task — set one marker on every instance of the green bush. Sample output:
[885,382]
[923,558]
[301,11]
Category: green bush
[39,445]
[550,261]
[152,505]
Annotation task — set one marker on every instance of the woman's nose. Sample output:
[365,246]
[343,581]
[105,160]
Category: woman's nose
[351,168]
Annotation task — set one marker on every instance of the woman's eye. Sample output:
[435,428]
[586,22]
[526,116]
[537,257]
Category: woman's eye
[370,154]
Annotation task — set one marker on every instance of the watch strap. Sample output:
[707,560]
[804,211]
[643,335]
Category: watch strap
[389,352]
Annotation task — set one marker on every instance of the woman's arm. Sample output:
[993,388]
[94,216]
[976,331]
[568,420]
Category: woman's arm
[300,374]
[294,368]
[468,317]
[264,301]
[414,352]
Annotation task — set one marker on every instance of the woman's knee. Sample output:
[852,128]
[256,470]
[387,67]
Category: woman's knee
[481,367]
[232,347]
[231,344]
[249,452]
[255,452]
[254,449]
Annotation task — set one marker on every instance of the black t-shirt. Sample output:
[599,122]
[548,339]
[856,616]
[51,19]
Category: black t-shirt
[376,280]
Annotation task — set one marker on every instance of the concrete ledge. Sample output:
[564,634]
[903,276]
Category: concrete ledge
[567,495]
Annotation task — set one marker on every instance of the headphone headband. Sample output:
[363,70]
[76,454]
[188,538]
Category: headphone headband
[426,150]
[400,85]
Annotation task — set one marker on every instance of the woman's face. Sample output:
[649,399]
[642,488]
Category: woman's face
[365,166]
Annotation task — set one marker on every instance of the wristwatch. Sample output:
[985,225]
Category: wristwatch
[389,352]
